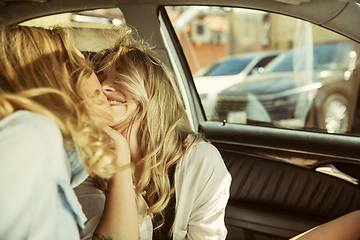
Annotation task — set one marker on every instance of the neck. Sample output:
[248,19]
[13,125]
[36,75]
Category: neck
[135,158]
[137,173]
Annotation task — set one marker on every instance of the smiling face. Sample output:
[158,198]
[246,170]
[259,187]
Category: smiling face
[121,100]
[124,107]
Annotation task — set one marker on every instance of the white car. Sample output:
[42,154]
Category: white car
[214,78]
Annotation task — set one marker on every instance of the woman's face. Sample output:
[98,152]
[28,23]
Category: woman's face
[100,111]
[121,101]
[123,105]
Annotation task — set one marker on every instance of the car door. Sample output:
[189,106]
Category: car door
[286,178]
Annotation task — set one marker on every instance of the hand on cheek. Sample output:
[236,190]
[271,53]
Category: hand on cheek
[121,146]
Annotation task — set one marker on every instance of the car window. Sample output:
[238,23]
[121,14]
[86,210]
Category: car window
[259,67]
[326,56]
[297,75]
[228,67]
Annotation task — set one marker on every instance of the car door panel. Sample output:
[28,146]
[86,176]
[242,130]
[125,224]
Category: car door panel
[275,189]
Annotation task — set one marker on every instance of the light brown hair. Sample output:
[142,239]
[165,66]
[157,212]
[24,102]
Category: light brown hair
[165,133]
[41,72]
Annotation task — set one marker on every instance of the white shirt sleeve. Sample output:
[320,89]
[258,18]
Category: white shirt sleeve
[37,201]
[202,185]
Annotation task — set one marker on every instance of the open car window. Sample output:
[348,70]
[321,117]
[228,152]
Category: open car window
[260,68]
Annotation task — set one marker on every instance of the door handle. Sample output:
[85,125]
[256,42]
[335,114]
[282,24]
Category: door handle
[330,169]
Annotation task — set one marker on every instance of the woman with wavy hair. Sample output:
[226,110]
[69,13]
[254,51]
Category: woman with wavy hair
[171,162]
[52,117]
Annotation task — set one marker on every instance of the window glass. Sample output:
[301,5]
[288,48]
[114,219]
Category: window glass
[227,67]
[260,68]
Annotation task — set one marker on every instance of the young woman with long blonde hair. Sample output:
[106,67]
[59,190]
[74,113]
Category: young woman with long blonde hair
[171,161]
[52,117]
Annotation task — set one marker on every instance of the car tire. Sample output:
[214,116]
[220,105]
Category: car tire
[334,114]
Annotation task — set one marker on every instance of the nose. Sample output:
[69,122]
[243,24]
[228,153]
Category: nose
[107,87]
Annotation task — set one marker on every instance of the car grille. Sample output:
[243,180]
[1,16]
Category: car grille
[223,106]
[278,108]
[230,105]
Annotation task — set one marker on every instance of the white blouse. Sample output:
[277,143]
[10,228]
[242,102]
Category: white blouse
[202,185]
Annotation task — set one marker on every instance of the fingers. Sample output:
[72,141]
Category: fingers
[121,146]
[112,132]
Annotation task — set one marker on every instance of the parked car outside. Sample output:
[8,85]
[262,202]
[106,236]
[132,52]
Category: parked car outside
[285,97]
[225,72]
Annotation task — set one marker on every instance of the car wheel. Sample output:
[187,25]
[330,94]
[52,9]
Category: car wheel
[334,114]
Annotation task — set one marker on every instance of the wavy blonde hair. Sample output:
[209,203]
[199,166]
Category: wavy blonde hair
[33,77]
[165,134]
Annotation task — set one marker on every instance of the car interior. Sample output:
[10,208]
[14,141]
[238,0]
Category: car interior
[285,180]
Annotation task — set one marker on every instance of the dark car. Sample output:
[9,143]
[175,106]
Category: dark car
[284,95]
[223,73]
[284,181]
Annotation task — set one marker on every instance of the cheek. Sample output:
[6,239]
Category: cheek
[101,115]
[122,113]
[119,114]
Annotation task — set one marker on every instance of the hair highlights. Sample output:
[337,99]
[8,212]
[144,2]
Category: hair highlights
[41,72]
[165,134]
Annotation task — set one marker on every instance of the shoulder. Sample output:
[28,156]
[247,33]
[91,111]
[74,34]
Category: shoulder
[203,153]
[30,125]
[28,119]
[25,135]
[205,150]
[203,157]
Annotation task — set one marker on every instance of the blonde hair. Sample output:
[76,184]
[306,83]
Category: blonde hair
[165,134]
[41,72]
